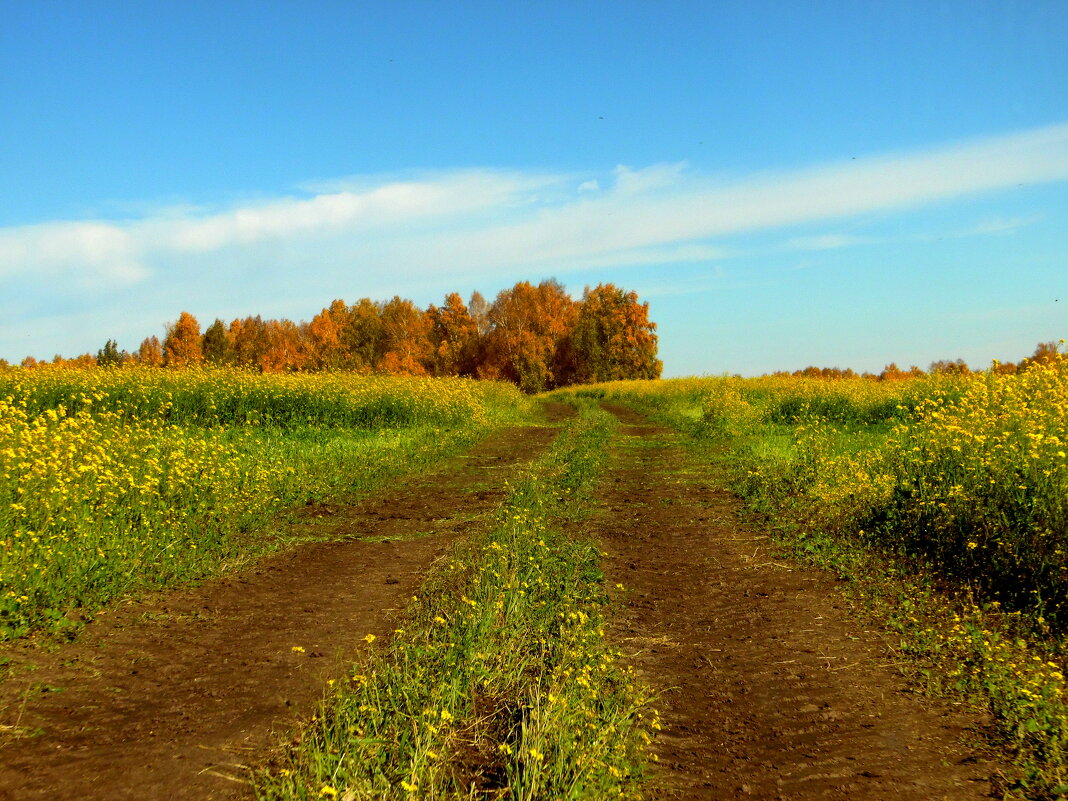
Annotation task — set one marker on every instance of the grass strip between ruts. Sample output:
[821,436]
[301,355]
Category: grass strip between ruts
[501,683]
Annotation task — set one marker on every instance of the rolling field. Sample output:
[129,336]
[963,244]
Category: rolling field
[118,480]
[518,661]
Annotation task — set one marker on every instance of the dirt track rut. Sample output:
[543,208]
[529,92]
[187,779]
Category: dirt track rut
[769,689]
[168,700]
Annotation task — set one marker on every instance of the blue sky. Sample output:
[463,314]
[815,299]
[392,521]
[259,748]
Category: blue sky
[839,183]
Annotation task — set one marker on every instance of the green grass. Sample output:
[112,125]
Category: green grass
[212,397]
[944,513]
[500,682]
[104,495]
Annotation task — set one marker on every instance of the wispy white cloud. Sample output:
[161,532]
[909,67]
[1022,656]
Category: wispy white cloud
[381,207]
[123,252]
[999,226]
[668,206]
[994,226]
[82,252]
[825,242]
[496,223]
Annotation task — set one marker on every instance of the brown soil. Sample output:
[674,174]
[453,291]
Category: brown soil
[173,698]
[768,688]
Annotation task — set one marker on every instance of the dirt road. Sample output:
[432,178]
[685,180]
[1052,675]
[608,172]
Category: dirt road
[769,689]
[169,700]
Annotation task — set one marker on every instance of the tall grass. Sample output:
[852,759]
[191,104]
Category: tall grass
[972,478]
[112,481]
[211,397]
[944,500]
[741,406]
[971,487]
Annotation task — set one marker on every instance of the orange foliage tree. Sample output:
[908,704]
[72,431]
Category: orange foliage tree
[326,351]
[454,338]
[285,350]
[181,347]
[151,352]
[535,336]
[1045,353]
[248,341]
[613,338]
[528,340]
[406,328]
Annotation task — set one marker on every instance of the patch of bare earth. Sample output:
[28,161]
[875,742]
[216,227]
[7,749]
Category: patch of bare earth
[174,698]
[768,688]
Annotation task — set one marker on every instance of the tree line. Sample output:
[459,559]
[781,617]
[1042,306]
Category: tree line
[1044,353]
[536,336]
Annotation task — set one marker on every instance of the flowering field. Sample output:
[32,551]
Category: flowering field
[953,489]
[968,473]
[113,480]
[230,397]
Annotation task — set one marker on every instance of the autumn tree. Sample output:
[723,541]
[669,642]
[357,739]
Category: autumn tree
[248,341]
[892,373]
[326,350]
[529,334]
[181,346]
[1045,353]
[613,338]
[454,338]
[150,353]
[479,310]
[823,373]
[535,336]
[215,344]
[947,367]
[81,362]
[285,350]
[364,336]
[406,328]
